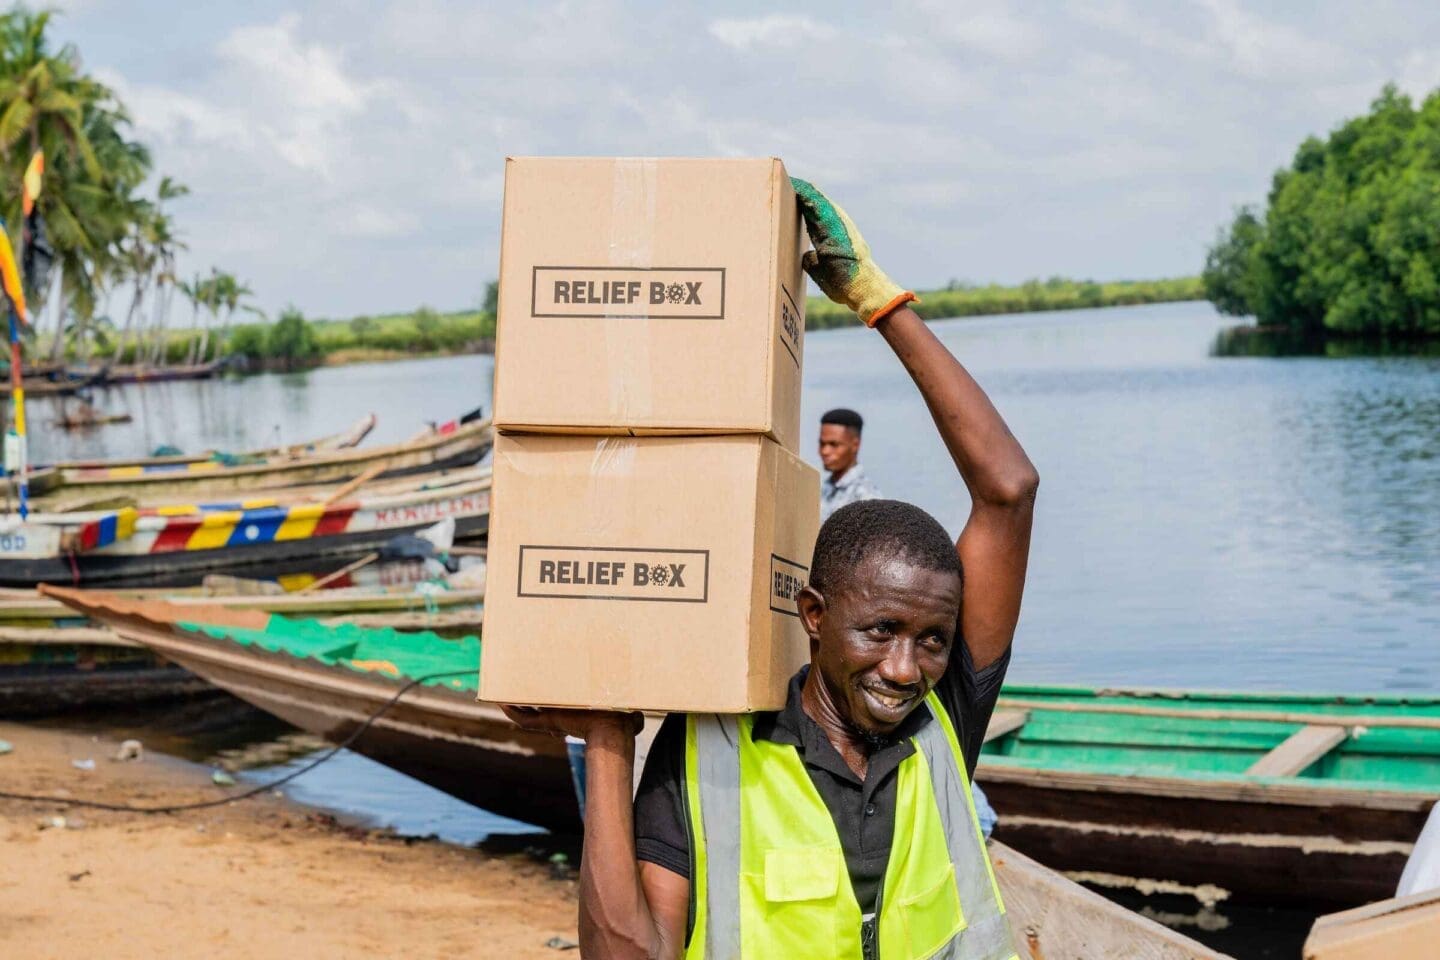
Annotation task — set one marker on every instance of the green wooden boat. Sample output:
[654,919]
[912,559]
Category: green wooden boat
[1278,797]
[330,679]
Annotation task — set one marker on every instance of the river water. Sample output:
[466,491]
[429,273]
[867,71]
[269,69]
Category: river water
[1202,522]
[1253,523]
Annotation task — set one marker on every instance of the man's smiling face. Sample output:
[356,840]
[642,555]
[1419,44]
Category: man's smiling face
[881,640]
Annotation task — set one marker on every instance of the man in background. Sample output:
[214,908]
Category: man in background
[840,454]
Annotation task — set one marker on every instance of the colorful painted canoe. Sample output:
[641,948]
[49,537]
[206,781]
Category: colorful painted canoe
[447,447]
[92,547]
[344,440]
[1272,797]
[328,680]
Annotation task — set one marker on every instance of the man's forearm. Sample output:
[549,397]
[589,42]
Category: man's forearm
[615,919]
[990,460]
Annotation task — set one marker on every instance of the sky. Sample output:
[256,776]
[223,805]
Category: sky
[348,157]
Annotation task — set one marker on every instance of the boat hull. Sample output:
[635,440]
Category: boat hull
[436,452]
[446,739]
[1301,845]
[100,568]
[41,680]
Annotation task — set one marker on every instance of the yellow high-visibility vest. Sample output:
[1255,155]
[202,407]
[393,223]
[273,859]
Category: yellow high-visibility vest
[768,869]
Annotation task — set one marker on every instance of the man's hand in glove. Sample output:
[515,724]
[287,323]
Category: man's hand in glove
[840,263]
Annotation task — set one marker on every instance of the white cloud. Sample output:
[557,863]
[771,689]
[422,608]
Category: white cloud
[1265,49]
[367,221]
[992,28]
[994,139]
[1419,73]
[772,30]
[300,76]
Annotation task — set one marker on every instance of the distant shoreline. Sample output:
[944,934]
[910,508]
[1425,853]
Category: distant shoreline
[427,333]
[385,338]
[487,347]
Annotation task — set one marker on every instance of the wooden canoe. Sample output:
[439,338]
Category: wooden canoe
[329,680]
[451,446]
[345,439]
[52,388]
[1280,798]
[173,541]
[1401,928]
[85,422]
[53,660]
[143,373]
[387,487]
[1054,918]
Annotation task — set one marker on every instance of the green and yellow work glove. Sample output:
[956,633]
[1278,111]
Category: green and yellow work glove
[840,263]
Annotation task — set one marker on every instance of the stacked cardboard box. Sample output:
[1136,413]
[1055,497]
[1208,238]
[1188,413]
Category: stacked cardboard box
[651,521]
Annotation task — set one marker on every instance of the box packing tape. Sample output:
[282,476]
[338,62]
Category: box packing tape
[632,244]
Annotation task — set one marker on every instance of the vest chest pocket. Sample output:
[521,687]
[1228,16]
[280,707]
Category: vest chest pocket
[929,918]
[798,895]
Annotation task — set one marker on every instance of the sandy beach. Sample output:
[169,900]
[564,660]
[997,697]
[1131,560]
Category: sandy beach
[261,878]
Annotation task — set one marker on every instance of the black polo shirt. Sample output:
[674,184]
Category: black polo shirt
[863,810]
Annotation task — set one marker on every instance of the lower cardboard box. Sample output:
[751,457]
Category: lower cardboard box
[646,573]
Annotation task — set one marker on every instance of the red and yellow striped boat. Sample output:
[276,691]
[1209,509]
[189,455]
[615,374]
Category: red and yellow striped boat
[169,541]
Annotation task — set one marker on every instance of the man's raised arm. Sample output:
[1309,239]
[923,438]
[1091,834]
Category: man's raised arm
[994,547]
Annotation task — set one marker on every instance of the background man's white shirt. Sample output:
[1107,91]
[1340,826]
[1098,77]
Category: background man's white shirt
[852,487]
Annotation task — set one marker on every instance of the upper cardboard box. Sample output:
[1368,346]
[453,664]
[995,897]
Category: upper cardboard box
[646,296]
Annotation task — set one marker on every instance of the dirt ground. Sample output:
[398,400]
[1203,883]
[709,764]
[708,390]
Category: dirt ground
[263,878]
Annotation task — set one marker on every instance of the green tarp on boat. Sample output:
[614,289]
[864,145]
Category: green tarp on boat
[391,653]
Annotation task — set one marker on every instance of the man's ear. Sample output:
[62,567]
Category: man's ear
[811,604]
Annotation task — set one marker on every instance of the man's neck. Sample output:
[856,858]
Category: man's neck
[837,475]
[819,706]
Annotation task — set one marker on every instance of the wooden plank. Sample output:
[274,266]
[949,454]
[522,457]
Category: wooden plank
[1398,927]
[364,561]
[1005,722]
[1298,751]
[1053,917]
[64,636]
[371,472]
[1271,716]
[1318,793]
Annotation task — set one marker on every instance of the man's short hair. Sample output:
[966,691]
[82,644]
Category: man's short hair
[845,418]
[868,528]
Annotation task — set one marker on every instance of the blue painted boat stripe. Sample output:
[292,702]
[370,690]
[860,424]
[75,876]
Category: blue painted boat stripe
[257,526]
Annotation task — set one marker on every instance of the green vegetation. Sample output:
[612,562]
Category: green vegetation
[290,341]
[306,342]
[406,334]
[1057,293]
[469,331]
[105,235]
[1349,243]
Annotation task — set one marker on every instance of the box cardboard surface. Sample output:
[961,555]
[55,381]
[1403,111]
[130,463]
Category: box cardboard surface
[646,573]
[1406,928]
[650,297]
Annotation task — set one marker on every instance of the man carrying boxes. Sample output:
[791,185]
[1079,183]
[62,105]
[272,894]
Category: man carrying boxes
[831,817]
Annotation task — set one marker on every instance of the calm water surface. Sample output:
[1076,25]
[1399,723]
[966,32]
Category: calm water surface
[1203,522]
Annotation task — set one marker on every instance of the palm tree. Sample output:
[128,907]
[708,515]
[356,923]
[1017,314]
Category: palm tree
[148,261]
[47,102]
[232,295]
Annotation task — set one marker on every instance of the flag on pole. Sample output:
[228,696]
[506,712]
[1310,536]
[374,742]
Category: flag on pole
[36,254]
[14,292]
[34,177]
